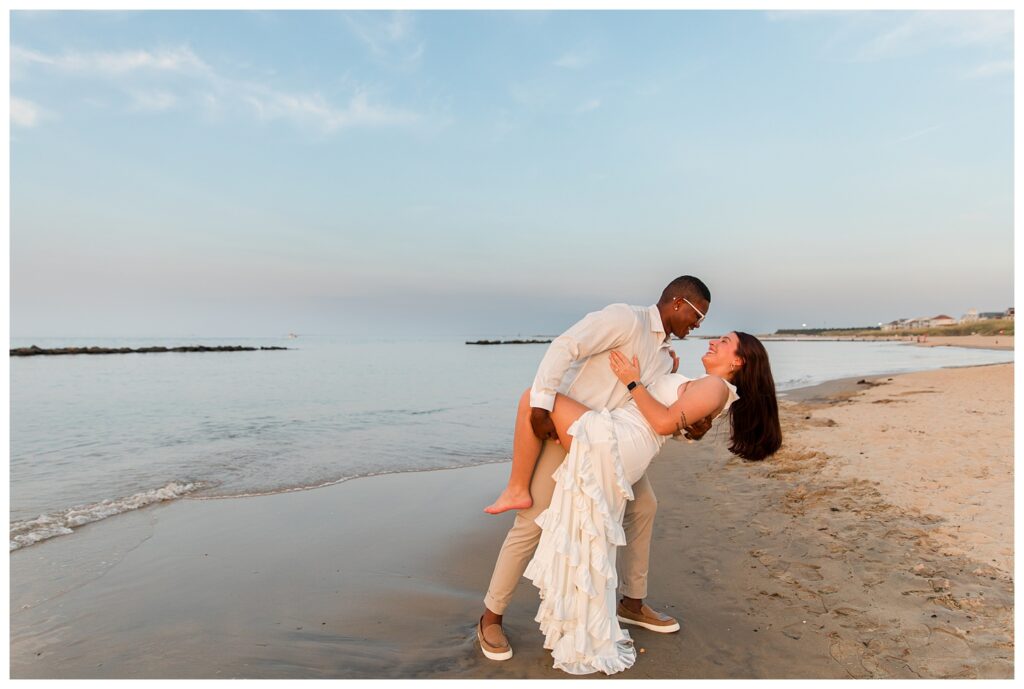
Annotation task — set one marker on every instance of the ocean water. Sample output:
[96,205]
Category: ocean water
[97,436]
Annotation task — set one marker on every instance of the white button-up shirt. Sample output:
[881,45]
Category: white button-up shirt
[576,363]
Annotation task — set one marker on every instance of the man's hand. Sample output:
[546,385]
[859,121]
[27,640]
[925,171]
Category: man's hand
[696,430]
[675,360]
[543,426]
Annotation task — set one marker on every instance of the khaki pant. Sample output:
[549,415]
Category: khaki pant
[522,538]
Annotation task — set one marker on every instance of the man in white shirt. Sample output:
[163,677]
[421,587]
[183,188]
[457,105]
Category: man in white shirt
[576,364]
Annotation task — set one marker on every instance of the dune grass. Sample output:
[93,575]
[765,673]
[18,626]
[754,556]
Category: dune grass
[989,327]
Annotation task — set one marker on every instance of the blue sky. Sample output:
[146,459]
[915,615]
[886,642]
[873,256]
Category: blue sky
[499,173]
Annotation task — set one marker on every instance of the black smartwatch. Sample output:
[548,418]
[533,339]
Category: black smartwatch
[632,385]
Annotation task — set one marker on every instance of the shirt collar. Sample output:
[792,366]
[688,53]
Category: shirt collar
[656,324]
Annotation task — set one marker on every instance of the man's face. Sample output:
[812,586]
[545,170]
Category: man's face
[684,316]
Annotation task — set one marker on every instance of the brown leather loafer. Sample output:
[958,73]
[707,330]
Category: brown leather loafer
[648,618]
[493,641]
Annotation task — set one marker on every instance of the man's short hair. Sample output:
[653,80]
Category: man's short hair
[685,286]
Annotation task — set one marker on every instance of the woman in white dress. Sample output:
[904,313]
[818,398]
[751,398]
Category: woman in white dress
[574,564]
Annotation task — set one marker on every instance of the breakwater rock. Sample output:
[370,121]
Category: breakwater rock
[498,342]
[39,351]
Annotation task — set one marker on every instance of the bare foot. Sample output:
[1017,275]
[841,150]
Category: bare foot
[510,500]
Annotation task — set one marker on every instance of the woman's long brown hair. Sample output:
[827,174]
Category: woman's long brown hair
[756,433]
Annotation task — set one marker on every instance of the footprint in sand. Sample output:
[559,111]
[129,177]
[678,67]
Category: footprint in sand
[847,654]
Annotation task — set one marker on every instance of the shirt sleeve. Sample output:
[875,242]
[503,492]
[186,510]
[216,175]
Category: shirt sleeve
[597,332]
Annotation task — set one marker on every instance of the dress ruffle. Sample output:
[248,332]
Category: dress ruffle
[574,564]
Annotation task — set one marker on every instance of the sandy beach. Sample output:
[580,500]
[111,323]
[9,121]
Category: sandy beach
[998,342]
[877,543]
[1004,342]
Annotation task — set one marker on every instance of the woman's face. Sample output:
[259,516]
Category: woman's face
[722,353]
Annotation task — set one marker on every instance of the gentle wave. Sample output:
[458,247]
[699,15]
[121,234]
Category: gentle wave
[334,482]
[30,531]
[796,382]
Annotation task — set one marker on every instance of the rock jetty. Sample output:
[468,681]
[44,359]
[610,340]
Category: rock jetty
[38,351]
[497,342]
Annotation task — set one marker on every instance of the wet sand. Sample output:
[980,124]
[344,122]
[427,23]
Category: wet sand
[822,562]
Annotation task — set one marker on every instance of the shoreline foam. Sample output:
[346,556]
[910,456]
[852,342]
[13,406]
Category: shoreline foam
[49,525]
[28,532]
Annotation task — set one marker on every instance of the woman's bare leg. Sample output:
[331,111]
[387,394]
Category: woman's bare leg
[564,414]
[526,449]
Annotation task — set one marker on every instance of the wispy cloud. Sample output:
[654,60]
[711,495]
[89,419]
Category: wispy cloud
[391,39]
[359,111]
[921,31]
[574,60]
[873,36]
[589,105]
[180,59]
[25,113]
[917,134]
[191,81]
[989,69]
[153,100]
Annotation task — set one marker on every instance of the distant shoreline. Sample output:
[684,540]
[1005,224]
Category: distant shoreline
[996,342]
[835,338]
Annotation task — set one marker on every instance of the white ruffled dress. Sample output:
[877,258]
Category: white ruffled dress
[574,564]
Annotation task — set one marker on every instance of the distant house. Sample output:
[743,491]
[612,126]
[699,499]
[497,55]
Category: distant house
[943,320]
